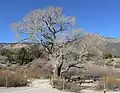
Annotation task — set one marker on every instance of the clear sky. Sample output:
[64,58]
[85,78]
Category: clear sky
[95,16]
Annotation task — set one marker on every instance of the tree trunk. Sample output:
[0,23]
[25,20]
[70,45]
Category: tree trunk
[57,71]
[57,65]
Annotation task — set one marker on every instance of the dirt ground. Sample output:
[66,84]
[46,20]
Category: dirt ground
[43,86]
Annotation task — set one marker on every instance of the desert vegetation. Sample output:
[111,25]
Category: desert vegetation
[107,55]
[12,79]
[65,61]
[109,82]
[43,26]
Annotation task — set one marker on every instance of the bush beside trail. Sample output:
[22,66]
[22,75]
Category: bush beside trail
[12,79]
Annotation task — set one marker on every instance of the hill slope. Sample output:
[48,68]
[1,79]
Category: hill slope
[112,44]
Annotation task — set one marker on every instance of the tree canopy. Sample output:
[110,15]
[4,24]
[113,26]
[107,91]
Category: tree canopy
[43,25]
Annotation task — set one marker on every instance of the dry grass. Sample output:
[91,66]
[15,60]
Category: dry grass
[111,82]
[19,76]
[33,74]
[68,86]
[38,73]
[12,79]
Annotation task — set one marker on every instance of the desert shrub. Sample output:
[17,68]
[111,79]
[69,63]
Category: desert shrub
[4,52]
[112,83]
[35,51]
[71,56]
[107,55]
[23,57]
[89,55]
[88,59]
[33,73]
[109,63]
[117,65]
[38,73]
[69,86]
[41,66]
[115,56]
[46,74]
[15,80]
[26,55]
[12,79]
[9,54]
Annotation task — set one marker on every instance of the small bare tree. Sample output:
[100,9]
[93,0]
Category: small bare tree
[89,42]
[61,55]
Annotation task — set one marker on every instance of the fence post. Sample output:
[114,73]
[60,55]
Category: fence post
[6,83]
[105,85]
[63,84]
[25,75]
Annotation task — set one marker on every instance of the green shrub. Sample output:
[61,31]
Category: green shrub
[23,57]
[115,56]
[26,55]
[107,55]
[9,54]
[34,51]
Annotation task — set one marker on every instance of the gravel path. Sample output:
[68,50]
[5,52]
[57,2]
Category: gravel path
[42,86]
[38,86]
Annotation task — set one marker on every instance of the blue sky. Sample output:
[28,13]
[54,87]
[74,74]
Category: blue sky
[95,16]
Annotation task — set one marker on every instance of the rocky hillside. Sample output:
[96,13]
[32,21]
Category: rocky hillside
[112,44]
[13,45]
[114,48]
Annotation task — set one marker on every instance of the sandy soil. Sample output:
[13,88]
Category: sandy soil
[38,86]
[42,86]
[92,91]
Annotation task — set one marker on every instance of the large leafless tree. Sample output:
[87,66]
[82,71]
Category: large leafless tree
[44,26]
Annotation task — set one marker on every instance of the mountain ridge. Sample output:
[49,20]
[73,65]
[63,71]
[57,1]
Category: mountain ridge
[113,44]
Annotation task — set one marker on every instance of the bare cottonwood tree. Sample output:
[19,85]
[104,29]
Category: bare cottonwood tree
[43,26]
